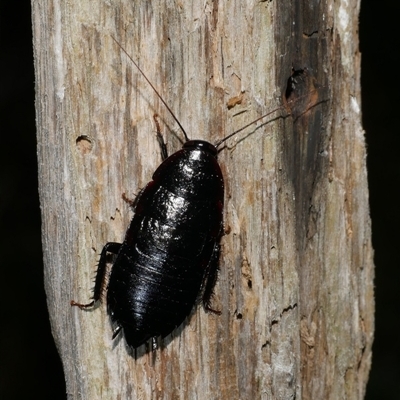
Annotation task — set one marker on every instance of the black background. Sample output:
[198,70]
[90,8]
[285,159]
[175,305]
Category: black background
[29,364]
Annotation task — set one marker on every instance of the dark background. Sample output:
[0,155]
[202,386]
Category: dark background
[29,364]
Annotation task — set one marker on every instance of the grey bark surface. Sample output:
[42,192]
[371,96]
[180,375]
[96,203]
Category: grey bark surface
[296,280]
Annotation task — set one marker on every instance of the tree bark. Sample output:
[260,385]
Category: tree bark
[296,280]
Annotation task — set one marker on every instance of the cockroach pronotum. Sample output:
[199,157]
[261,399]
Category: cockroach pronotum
[168,261]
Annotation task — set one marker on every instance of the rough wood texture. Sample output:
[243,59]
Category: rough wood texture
[296,281]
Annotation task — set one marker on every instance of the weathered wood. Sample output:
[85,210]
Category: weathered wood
[296,281]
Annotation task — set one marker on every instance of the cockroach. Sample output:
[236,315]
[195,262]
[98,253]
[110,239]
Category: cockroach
[168,261]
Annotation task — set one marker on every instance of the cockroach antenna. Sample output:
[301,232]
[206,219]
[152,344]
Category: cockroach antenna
[155,90]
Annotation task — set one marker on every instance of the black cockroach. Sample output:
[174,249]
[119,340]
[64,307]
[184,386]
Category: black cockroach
[169,258]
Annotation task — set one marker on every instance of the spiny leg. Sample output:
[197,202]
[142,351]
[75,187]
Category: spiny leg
[164,151]
[210,280]
[132,203]
[110,247]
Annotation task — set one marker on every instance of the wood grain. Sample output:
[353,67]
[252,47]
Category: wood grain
[296,281]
